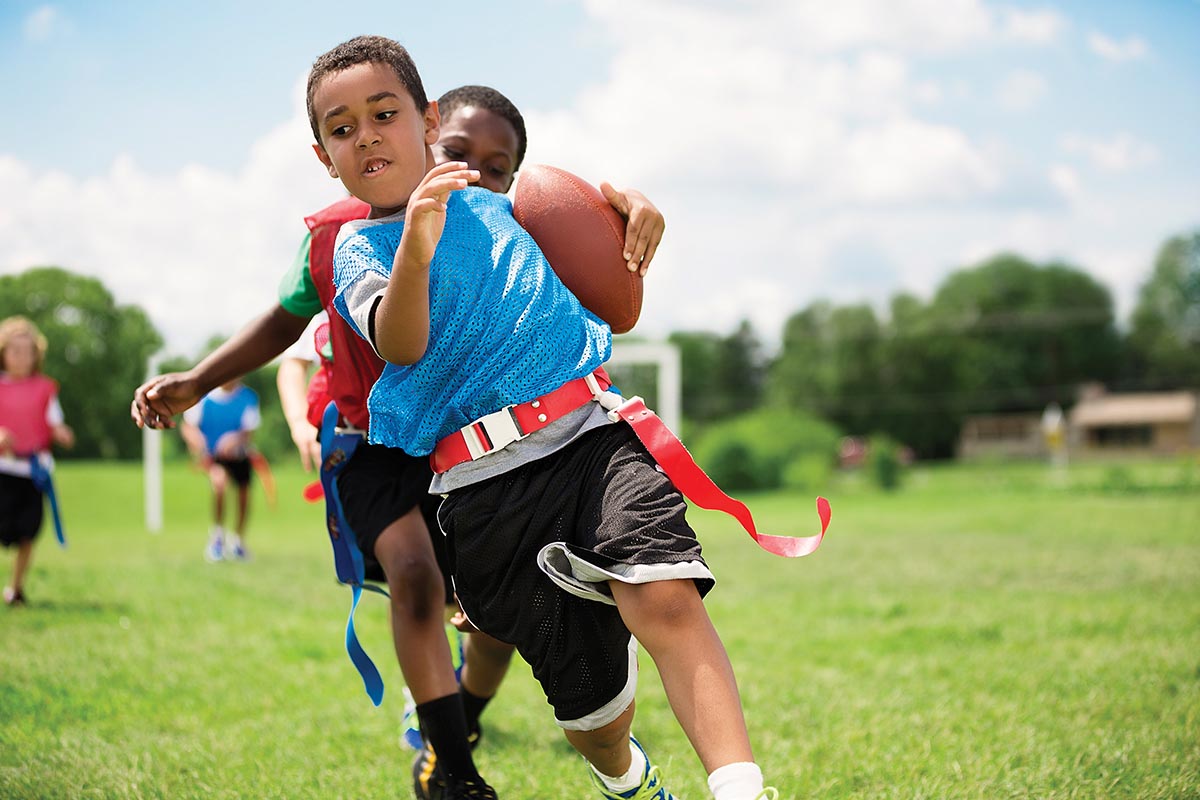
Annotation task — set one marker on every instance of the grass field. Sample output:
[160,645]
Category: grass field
[987,632]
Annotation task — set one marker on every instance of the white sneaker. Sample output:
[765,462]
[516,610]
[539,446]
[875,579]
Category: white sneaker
[238,550]
[216,546]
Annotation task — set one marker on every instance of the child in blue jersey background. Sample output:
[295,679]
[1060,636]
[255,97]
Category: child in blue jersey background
[218,432]
[567,542]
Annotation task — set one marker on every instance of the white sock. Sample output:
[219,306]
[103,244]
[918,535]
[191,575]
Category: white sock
[741,780]
[632,778]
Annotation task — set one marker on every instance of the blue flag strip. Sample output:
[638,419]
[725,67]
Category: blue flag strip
[44,481]
[336,450]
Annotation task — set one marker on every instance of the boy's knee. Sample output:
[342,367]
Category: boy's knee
[414,581]
[660,603]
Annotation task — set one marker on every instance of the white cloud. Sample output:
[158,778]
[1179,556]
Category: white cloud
[1121,153]
[1032,26]
[201,250]
[793,148]
[1065,180]
[816,26]
[41,23]
[1021,90]
[1110,49]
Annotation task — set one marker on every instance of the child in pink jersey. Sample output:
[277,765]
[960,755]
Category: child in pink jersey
[30,421]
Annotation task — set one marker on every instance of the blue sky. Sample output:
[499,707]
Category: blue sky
[799,150]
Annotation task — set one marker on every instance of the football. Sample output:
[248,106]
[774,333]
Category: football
[583,238]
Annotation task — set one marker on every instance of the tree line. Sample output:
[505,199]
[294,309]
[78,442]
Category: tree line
[1004,335]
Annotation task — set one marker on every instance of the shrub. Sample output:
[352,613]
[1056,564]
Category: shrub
[768,449]
[883,459]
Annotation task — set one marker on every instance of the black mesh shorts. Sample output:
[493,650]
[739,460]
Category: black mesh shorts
[379,486]
[238,469]
[533,551]
[21,507]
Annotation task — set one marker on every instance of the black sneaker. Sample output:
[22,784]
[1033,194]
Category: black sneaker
[428,781]
[469,790]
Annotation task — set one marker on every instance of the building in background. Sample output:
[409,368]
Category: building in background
[1159,423]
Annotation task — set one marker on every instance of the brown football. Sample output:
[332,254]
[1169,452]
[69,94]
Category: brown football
[583,238]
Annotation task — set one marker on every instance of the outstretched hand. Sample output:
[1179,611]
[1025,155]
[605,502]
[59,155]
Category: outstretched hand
[308,444]
[425,215]
[159,399]
[644,225]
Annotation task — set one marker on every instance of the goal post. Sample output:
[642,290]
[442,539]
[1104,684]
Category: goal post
[664,358]
[152,466]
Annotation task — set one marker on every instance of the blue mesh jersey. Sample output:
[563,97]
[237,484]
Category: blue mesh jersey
[222,412]
[503,327]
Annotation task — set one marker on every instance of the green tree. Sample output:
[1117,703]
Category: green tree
[1028,334]
[721,375]
[804,374]
[97,353]
[916,406]
[1164,337]
[831,363]
[739,371]
[1006,335]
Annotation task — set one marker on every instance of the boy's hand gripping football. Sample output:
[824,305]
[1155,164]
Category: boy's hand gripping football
[644,225]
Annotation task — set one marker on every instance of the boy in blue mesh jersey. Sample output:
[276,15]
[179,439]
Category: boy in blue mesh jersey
[565,539]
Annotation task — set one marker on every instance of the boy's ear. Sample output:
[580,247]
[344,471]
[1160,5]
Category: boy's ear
[433,123]
[325,159]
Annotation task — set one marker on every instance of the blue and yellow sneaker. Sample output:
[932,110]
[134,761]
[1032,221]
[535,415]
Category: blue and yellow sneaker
[651,788]
[410,730]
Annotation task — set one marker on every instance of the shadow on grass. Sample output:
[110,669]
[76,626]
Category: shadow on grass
[41,610]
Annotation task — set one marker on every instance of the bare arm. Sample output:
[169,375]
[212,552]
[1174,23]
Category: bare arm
[194,440]
[157,400]
[63,436]
[292,381]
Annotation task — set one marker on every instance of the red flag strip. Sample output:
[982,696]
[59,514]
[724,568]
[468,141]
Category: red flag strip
[696,486]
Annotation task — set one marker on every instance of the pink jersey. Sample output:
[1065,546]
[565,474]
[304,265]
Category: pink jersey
[24,407]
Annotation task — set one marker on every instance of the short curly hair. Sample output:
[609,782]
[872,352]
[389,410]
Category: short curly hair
[489,99]
[365,50]
[16,326]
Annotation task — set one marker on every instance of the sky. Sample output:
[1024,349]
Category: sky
[800,151]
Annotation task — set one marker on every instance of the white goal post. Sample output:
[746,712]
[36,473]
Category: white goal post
[152,466]
[665,357]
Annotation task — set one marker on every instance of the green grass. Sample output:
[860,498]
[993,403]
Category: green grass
[987,632]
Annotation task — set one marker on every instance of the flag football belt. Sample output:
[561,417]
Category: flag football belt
[513,423]
[43,481]
[337,446]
